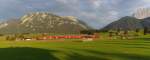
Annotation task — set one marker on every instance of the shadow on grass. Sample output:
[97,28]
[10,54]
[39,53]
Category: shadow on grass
[141,44]
[104,55]
[139,47]
[122,56]
[78,56]
[26,53]
[147,39]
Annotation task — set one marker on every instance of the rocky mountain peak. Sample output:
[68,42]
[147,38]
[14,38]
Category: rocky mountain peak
[43,22]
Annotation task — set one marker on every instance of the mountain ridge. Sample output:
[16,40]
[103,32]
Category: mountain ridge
[43,22]
[128,23]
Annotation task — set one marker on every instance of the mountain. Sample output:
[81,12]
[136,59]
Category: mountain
[125,23]
[42,22]
[146,22]
[10,26]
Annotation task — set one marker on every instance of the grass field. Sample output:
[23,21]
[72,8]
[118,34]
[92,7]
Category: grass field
[136,49]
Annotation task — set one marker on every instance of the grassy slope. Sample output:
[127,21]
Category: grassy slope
[99,50]
[127,50]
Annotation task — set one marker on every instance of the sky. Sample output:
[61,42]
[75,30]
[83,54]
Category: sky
[96,13]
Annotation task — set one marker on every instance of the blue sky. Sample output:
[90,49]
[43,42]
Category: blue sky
[96,13]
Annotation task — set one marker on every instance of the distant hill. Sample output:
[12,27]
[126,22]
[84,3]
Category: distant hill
[42,22]
[146,22]
[125,23]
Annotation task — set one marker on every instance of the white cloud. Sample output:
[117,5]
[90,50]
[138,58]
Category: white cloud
[96,3]
[146,0]
[62,1]
[114,13]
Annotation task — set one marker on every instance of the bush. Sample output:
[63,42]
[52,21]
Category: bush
[10,38]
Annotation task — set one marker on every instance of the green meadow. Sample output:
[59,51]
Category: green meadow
[100,49]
